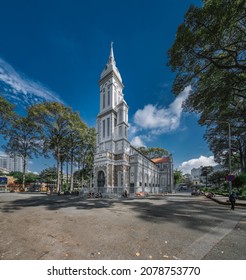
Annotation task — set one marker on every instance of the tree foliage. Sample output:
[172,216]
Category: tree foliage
[74,139]
[211,41]
[54,120]
[153,152]
[217,136]
[209,53]
[85,155]
[23,141]
[30,177]
[64,134]
[49,128]
[218,177]
[6,114]
[240,181]
[48,174]
[177,176]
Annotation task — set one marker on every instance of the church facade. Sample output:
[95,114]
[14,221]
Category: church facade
[118,166]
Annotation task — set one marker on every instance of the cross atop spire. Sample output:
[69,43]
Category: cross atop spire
[111,55]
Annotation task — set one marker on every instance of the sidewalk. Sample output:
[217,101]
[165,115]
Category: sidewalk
[225,200]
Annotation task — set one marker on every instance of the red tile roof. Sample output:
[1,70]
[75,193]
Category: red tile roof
[160,160]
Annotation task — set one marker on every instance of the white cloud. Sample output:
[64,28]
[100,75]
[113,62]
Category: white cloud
[34,172]
[20,83]
[161,120]
[132,130]
[186,166]
[137,142]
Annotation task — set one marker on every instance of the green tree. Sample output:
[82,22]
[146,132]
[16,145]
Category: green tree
[177,176]
[218,177]
[85,155]
[54,120]
[30,177]
[6,113]
[75,139]
[209,54]
[210,47]
[240,181]
[18,176]
[218,140]
[23,141]
[48,174]
[153,152]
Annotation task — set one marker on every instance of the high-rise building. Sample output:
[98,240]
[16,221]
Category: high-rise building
[11,163]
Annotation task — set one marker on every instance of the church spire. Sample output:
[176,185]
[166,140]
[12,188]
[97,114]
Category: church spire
[111,55]
[111,65]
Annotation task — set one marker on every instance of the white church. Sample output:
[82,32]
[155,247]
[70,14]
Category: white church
[118,166]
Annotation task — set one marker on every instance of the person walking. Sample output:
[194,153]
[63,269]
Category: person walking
[232,199]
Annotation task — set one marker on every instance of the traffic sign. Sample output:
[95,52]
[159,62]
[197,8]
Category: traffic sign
[230,178]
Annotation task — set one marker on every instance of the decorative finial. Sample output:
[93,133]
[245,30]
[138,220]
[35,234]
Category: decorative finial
[111,56]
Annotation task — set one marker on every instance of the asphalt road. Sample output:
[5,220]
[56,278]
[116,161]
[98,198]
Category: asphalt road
[177,226]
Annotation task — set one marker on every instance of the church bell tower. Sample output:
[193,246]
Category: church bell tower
[111,161]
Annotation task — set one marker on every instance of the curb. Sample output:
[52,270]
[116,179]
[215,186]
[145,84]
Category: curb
[227,202]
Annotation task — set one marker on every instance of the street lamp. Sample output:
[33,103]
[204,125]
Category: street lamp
[229,157]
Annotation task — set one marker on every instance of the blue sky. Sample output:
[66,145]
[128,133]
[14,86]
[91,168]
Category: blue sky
[58,49]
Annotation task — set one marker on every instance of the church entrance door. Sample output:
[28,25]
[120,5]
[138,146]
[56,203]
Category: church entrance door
[100,181]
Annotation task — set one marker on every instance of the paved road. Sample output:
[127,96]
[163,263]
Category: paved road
[178,226]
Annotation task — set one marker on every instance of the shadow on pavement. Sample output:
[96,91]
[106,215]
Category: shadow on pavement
[192,212]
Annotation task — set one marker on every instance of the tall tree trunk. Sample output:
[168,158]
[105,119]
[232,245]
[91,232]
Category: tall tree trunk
[62,175]
[82,170]
[90,179]
[78,177]
[58,170]
[82,179]
[71,171]
[244,159]
[67,174]
[24,173]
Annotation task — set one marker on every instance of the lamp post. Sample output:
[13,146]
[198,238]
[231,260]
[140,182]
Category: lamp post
[229,146]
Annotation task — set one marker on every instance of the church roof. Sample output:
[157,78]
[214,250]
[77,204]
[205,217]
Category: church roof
[111,65]
[161,160]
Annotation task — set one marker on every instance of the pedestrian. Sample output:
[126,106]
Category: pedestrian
[232,199]
[126,193]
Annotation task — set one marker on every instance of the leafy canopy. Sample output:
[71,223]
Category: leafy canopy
[209,53]
[153,152]
[6,113]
